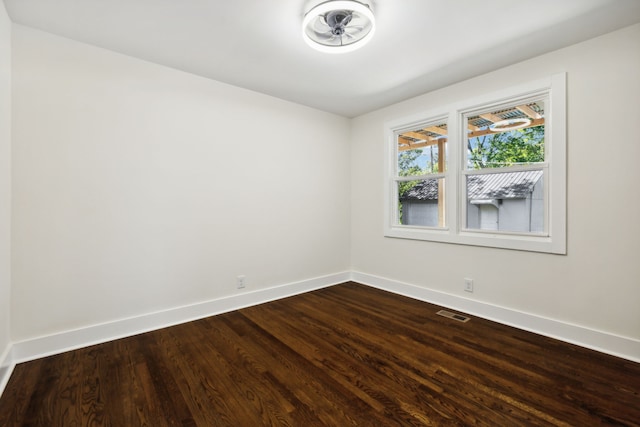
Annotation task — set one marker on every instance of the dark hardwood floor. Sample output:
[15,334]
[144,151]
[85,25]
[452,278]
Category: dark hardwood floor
[345,355]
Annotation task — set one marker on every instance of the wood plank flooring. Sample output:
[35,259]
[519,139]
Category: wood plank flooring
[348,355]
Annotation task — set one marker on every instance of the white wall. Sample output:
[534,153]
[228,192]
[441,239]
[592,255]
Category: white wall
[140,188]
[597,284]
[5,180]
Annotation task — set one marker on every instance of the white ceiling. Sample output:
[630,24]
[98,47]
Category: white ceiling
[419,45]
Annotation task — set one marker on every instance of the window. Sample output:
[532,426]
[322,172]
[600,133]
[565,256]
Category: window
[420,175]
[489,171]
[505,167]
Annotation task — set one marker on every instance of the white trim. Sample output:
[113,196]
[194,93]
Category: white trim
[624,347]
[6,367]
[48,345]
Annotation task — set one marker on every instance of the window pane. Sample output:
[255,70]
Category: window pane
[423,150]
[506,136]
[510,201]
[421,202]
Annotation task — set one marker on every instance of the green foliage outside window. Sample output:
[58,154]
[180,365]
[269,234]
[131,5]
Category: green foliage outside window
[521,146]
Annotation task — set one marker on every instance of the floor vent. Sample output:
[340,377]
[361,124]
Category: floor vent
[454,316]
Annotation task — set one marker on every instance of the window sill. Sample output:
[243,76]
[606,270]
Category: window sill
[515,241]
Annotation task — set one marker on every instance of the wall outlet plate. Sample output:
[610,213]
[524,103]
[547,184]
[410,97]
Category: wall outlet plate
[468,285]
[240,282]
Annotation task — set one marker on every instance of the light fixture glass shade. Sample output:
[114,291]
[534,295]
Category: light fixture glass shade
[338,26]
[510,124]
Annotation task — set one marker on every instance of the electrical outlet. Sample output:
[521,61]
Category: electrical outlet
[240,282]
[468,285]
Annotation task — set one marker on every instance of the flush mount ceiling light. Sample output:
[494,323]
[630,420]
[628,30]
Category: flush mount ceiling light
[510,124]
[338,26]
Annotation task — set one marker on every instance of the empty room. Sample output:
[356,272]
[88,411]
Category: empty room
[319,213]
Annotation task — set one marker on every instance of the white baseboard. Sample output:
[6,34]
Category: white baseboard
[35,348]
[603,342]
[6,367]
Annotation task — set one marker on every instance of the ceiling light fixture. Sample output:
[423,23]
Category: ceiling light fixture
[510,124]
[338,26]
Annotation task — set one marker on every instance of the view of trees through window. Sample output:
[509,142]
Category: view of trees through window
[516,147]
[510,138]
[415,163]
[422,155]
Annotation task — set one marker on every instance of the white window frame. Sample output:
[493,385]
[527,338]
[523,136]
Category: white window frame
[396,178]
[553,240]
